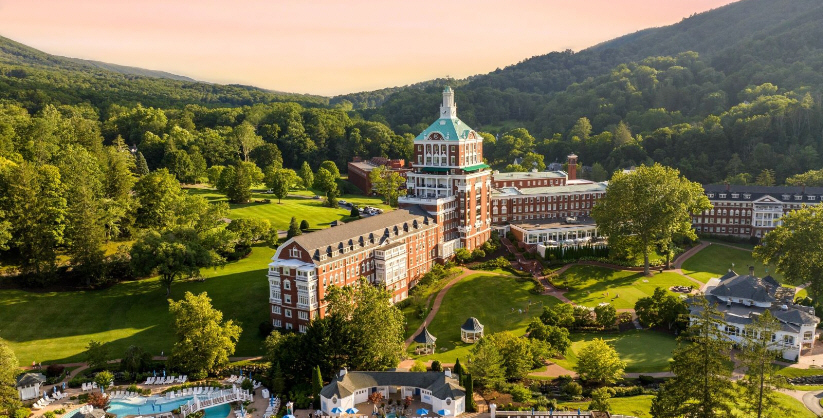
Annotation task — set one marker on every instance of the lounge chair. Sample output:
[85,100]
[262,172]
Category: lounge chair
[185,378]
[94,385]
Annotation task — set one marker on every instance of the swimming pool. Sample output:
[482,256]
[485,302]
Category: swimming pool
[156,405]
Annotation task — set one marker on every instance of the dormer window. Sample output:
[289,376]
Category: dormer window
[747,196]
[711,195]
[295,253]
[735,195]
[786,197]
[798,197]
[811,197]
[722,195]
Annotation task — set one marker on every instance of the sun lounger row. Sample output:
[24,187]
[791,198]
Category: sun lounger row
[44,401]
[122,394]
[192,391]
[89,386]
[272,409]
[159,380]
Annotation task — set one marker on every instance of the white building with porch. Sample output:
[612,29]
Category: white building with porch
[438,389]
[741,298]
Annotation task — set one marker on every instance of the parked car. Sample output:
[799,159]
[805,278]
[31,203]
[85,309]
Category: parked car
[343,203]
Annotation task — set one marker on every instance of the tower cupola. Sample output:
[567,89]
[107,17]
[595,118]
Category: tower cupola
[448,110]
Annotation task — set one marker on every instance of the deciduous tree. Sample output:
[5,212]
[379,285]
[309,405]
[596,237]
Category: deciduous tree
[9,398]
[757,352]
[646,208]
[204,340]
[795,248]
[247,139]
[306,175]
[97,354]
[280,181]
[486,363]
[388,184]
[599,362]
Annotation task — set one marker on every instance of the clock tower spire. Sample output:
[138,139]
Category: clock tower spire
[448,110]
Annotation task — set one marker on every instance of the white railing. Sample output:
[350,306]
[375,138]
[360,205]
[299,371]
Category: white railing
[548,414]
[219,398]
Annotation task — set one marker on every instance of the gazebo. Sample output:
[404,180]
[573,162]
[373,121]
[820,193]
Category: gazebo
[471,331]
[426,340]
[28,385]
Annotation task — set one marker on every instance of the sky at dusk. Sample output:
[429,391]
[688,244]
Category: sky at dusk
[328,47]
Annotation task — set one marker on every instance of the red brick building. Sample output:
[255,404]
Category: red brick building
[359,170]
[447,206]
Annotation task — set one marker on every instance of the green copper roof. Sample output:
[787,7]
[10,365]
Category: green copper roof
[451,129]
[476,167]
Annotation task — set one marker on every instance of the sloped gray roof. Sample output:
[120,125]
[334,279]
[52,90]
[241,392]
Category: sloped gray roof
[30,379]
[376,227]
[472,324]
[728,275]
[425,337]
[746,287]
[442,387]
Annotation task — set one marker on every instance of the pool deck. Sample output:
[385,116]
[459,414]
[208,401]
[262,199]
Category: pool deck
[258,406]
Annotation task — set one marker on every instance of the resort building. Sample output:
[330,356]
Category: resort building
[439,390]
[741,298]
[359,170]
[555,231]
[751,211]
[450,180]
[447,206]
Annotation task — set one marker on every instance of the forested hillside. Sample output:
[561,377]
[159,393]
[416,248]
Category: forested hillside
[35,79]
[726,93]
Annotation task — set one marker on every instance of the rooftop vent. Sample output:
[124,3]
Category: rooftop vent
[784,307]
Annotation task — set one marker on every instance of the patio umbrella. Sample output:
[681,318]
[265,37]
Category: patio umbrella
[154,373]
[289,416]
[422,411]
[444,412]
[352,410]
[164,372]
[336,410]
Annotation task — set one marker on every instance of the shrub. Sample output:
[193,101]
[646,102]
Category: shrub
[60,411]
[49,414]
[520,393]
[418,366]
[247,384]
[304,225]
[478,253]
[436,366]
[645,380]
[573,389]
[78,381]
[22,413]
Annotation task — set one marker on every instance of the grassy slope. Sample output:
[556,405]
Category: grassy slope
[637,406]
[589,285]
[279,214]
[490,299]
[716,260]
[56,326]
[643,351]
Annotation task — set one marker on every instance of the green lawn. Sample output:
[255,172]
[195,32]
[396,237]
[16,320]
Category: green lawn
[589,284]
[56,326]
[639,406]
[644,351]
[716,260]
[795,372]
[490,299]
[279,214]
[636,406]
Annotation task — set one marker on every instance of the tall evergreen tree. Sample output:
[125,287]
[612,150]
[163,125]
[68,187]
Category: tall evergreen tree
[316,386]
[294,228]
[701,386]
[306,175]
[756,354]
[468,382]
[142,167]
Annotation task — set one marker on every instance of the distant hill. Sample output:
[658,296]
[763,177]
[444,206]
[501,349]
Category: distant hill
[35,78]
[736,39]
[123,69]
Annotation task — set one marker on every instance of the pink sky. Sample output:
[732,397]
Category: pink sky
[329,46]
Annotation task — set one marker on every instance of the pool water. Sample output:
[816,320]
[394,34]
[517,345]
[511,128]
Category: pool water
[143,406]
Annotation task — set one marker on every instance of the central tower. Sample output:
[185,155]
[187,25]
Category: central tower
[450,180]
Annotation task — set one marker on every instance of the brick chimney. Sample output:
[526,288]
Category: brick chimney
[572,170]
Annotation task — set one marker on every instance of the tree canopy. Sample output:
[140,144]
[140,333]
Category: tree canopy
[647,208]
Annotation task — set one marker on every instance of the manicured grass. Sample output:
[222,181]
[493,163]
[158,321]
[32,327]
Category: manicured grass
[55,327]
[795,372]
[280,214]
[413,320]
[716,260]
[637,406]
[644,351]
[494,300]
[589,284]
